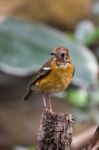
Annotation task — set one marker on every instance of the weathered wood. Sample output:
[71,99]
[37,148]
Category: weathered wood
[55,132]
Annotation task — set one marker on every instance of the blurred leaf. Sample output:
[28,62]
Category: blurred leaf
[31,148]
[78,98]
[71,36]
[92,38]
[24,47]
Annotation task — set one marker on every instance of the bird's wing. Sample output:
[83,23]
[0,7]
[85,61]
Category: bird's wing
[42,72]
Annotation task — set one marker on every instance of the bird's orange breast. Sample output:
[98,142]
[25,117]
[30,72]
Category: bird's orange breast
[57,80]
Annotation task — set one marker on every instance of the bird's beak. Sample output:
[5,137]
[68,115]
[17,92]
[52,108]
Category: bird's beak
[52,53]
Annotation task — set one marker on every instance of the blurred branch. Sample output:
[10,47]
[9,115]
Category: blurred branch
[94,142]
[83,139]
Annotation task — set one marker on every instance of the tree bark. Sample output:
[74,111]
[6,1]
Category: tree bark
[55,131]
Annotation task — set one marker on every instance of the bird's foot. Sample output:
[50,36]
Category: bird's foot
[45,108]
[48,109]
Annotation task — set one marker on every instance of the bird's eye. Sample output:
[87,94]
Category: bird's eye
[62,54]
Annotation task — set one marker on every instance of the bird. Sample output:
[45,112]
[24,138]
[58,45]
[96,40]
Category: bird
[53,77]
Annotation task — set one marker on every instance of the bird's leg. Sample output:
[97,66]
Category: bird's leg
[49,102]
[44,101]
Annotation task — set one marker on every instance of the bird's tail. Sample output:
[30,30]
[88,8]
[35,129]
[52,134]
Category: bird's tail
[27,95]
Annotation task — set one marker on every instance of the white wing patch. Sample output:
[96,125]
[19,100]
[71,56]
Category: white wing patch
[46,68]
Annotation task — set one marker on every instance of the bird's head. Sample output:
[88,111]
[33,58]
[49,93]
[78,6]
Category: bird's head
[61,54]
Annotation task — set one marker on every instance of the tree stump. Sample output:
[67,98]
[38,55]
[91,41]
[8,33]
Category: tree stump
[55,131]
